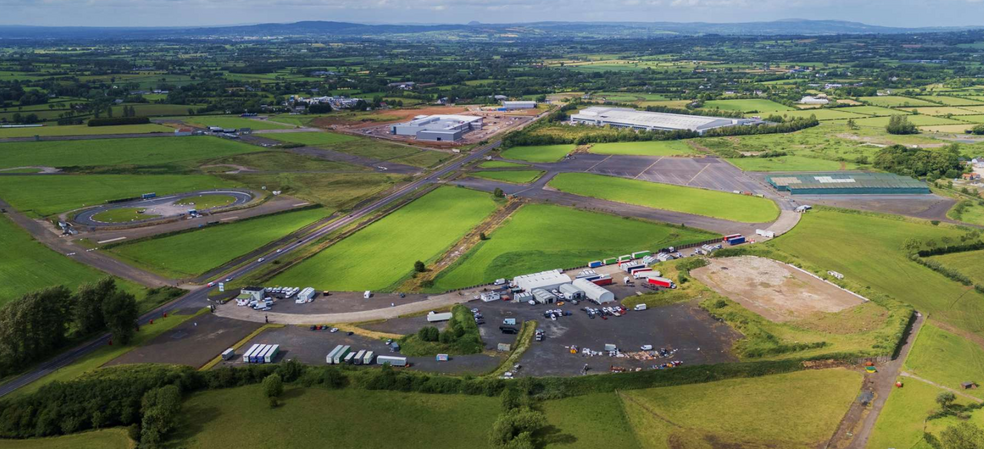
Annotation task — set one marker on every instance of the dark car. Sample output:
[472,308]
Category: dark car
[508,330]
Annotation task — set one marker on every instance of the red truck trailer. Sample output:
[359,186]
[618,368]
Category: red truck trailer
[661,282]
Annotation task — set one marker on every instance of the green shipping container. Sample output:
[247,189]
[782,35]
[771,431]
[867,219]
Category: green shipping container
[611,260]
[624,258]
[641,254]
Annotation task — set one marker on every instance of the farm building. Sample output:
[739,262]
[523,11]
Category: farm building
[546,280]
[837,183]
[510,105]
[255,293]
[814,100]
[438,128]
[594,292]
[654,121]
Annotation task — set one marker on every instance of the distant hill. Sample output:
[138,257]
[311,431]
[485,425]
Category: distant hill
[534,30]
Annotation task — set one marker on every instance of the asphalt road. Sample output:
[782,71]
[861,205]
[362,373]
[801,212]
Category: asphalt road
[198,298]
[84,218]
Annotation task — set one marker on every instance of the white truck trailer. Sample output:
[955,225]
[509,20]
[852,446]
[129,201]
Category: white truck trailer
[392,360]
[249,352]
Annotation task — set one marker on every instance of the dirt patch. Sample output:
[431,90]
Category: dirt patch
[773,289]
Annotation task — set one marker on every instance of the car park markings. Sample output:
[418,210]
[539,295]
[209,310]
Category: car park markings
[111,240]
[647,168]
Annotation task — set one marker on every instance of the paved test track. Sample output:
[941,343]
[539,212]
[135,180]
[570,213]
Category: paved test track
[84,218]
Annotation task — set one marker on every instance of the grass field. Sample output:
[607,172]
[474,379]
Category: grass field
[278,161]
[96,439]
[970,263]
[314,139]
[830,239]
[894,101]
[972,213]
[46,195]
[591,421]
[232,122]
[83,130]
[789,163]
[334,190]
[918,120]
[538,153]
[541,237]
[746,411]
[365,147]
[513,176]
[101,356]
[947,359]
[345,418]
[205,202]
[902,421]
[951,101]
[194,253]
[875,111]
[711,203]
[123,215]
[500,164]
[114,152]
[749,105]
[384,252]
[652,148]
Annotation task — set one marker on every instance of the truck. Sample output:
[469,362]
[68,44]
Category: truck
[611,261]
[271,355]
[765,233]
[604,280]
[736,241]
[330,359]
[729,237]
[368,358]
[641,274]
[340,355]
[641,254]
[392,360]
[249,352]
[639,307]
[595,264]
[442,358]
[661,282]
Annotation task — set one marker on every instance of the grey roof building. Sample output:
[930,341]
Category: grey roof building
[655,121]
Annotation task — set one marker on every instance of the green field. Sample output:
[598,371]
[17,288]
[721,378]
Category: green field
[750,105]
[83,130]
[193,253]
[972,213]
[970,263]
[790,163]
[365,147]
[123,215]
[903,422]
[111,152]
[232,122]
[538,153]
[314,139]
[278,161]
[947,359]
[500,164]
[46,195]
[383,253]
[332,190]
[830,239]
[795,410]
[590,421]
[711,203]
[343,418]
[951,101]
[893,101]
[875,111]
[541,237]
[96,439]
[205,202]
[651,148]
[513,176]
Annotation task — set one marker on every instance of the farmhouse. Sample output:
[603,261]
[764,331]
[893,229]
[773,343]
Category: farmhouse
[512,105]
[654,121]
[438,128]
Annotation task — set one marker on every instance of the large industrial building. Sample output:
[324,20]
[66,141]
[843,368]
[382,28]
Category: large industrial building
[546,280]
[438,128]
[839,183]
[654,121]
[511,105]
[594,292]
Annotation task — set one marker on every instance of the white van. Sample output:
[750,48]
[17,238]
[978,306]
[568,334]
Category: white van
[367,294]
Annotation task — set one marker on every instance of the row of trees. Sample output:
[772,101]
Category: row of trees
[41,323]
[901,160]
[899,124]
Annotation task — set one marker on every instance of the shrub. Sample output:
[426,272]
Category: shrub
[110,121]
[273,387]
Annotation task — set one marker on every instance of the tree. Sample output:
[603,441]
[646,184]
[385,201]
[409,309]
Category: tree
[498,193]
[273,387]
[419,267]
[120,313]
[962,436]
[851,124]
[945,400]
[899,124]
[160,408]
[87,305]
[979,129]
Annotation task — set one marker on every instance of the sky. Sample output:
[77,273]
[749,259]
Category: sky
[900,13]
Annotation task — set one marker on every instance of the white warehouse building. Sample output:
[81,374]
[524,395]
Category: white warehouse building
[594,292]
[655,121]
[510,105]
[438,128]
[546,280]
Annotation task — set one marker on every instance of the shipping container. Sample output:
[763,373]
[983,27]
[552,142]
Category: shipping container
[595,264]
[330,359]
[611,261]
[392,360]
[271,355]
[367,359]
[358,357]
[341,354]
[640,254]
[250,352]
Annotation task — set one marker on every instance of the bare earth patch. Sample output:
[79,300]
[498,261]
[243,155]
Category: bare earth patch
[773,289]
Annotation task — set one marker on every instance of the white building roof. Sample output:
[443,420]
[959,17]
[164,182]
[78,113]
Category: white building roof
[653,120]
[594,292]
[546,279]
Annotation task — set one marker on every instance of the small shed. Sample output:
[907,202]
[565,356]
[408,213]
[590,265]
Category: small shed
[968,385]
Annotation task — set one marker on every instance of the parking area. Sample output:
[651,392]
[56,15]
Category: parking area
[341,302]
[709,173]
[194,342]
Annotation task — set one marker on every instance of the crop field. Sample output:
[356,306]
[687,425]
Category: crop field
[95,439]
[751,105]
[947,359]
[745,411]
[971,118]
[513,176]
[893,101]
[232,122]
[115,152]
[123,215]
[828,238]
[193,253]
[941,110]
[83,130]
[541,237]
[651,148]
[952,101]
[384,252]
[970,263]
[875,111]
[46,195]
[538,153]
[710,203]
[903,421]
[361,146]
[790,163]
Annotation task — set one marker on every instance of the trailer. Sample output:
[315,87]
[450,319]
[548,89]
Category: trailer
[595,264]
[256,357]
[148,196]
[349,358]
[340,355]
[228,354]
[730,236]
[765,233]
[604,280]
[391,360]
[330,359]
[271,355]
[438,317]
[358,357]
[641,254]
[736,241]
[661,282]
[611,261]
[368,358]
[249,352]
[639,274]
[625,258]
[442,358]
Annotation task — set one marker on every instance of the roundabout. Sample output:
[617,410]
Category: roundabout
[143,211]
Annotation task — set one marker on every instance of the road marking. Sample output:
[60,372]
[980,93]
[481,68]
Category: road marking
[599,163]
[111,240]
[698,174]
[300,204]
[230,218]
[647,168]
